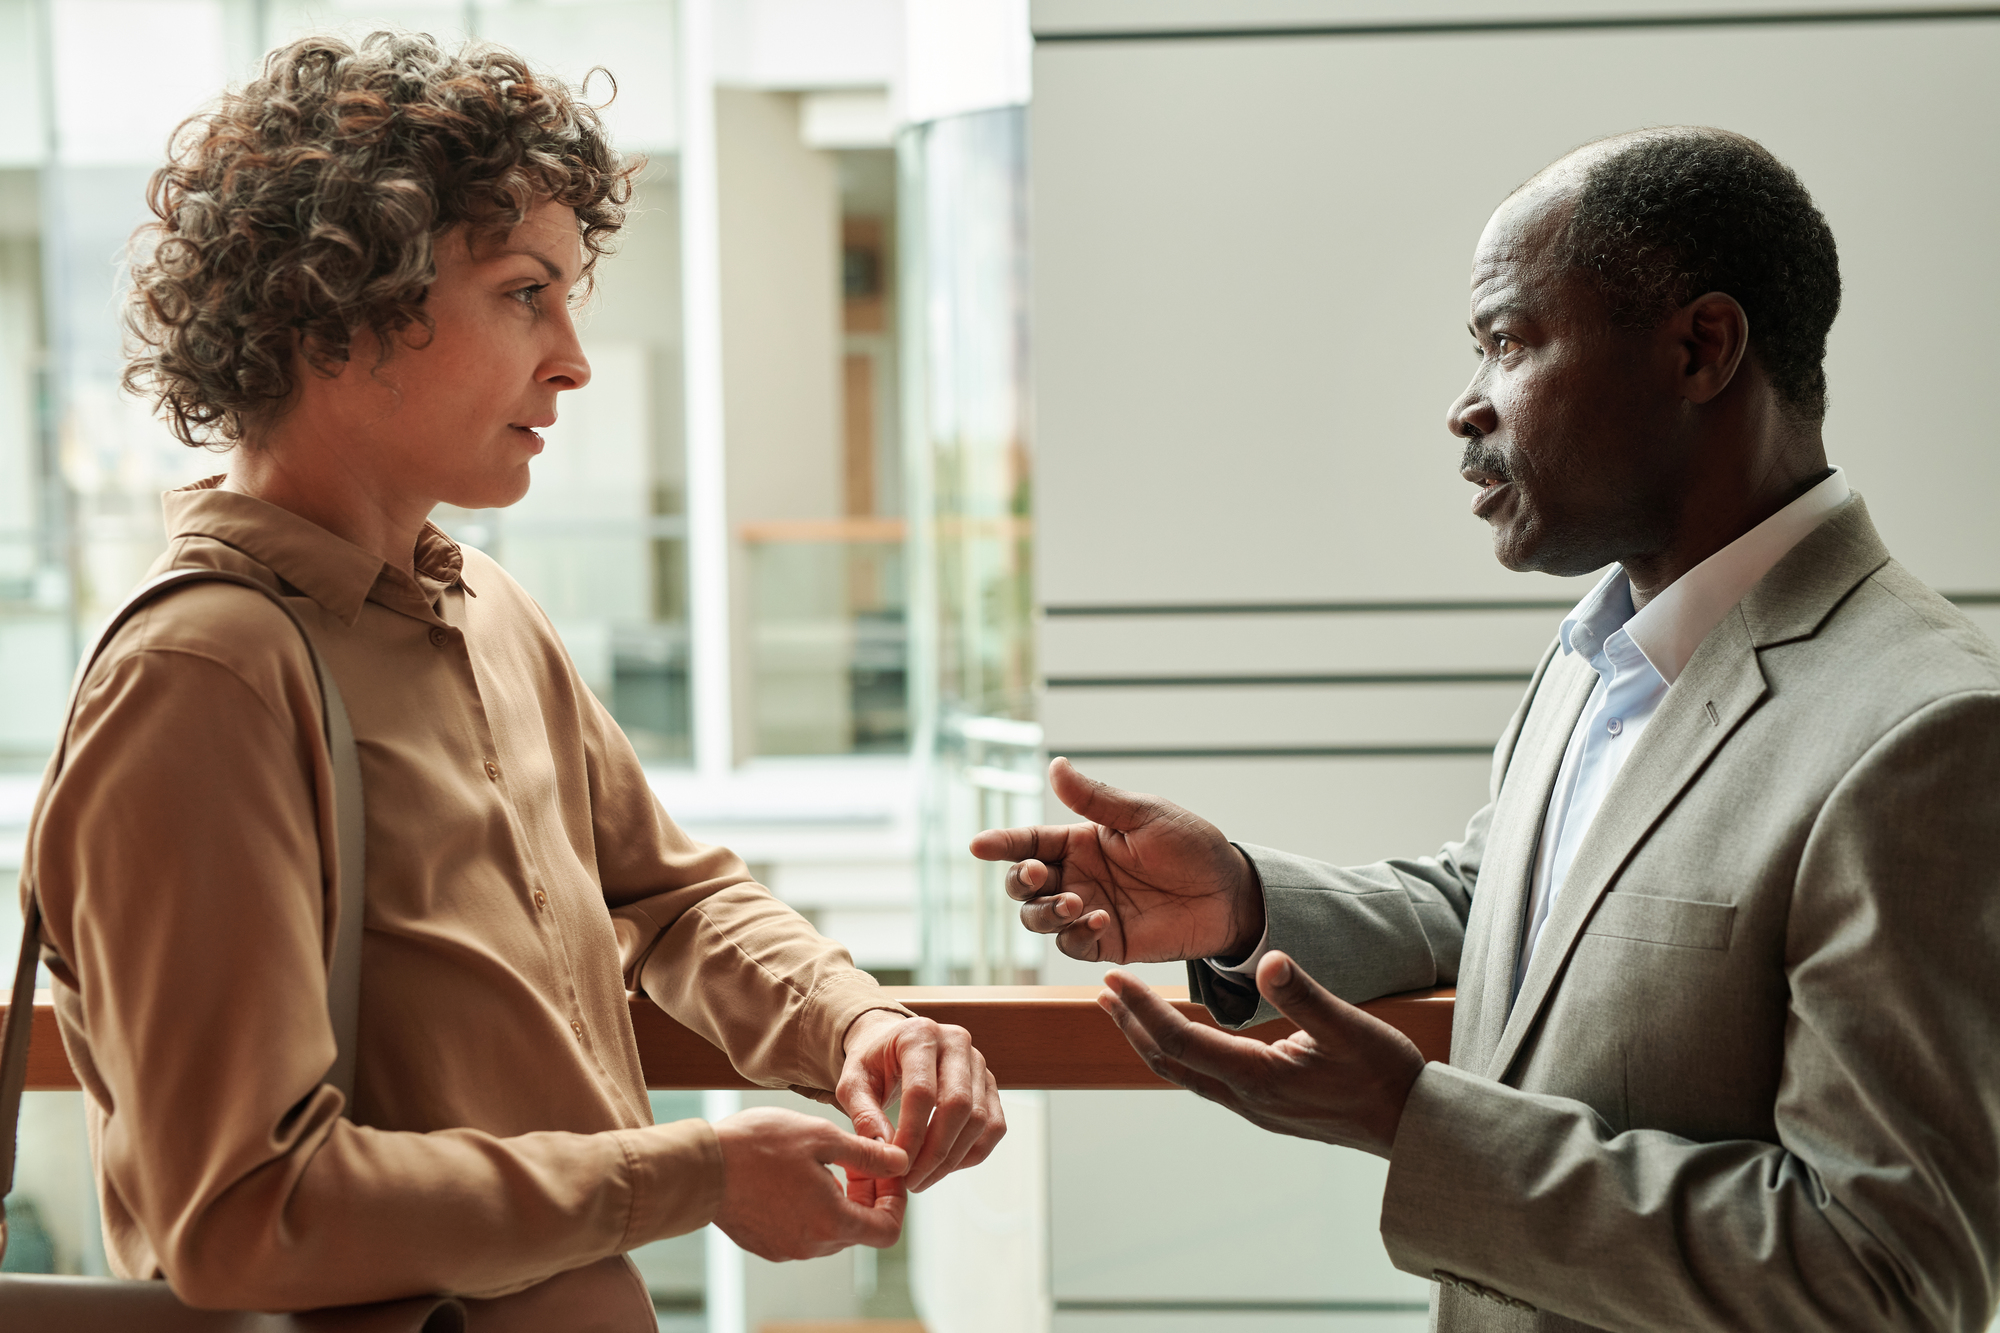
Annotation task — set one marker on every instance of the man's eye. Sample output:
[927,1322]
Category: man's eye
[1502,344]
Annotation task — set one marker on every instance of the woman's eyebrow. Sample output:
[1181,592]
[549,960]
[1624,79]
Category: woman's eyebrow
[554,270]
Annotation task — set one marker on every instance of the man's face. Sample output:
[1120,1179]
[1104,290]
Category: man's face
[452,418]
[1567,424]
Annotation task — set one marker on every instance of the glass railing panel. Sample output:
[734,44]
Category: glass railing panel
[828,637]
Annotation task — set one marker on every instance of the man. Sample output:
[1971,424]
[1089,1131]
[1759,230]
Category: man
[1727,936]
[361,284]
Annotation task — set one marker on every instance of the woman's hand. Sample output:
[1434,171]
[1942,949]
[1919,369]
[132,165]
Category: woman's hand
[950,1117]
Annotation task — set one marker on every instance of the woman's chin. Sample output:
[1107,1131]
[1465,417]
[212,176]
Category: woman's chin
[494,492]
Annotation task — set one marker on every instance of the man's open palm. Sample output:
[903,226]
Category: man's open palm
[1144,881]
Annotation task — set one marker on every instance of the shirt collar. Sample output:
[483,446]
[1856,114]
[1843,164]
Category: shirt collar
[332,571]
[1599,615]
[1670,627]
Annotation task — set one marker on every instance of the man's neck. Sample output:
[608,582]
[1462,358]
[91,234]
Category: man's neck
[1717,513]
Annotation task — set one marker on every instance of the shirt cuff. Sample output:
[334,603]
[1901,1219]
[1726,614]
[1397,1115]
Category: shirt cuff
[829,1011]
[675,1175]
[1247,969]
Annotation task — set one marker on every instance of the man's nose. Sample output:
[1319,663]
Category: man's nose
[1471,414]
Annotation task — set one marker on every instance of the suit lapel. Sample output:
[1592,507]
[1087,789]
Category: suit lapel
[1789,603]
[1499,904]
[1719,688]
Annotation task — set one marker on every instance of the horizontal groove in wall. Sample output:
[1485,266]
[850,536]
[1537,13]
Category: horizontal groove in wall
[1337,678]
[1470,749]
[1299,608]
[1239,1307]
[1370,608]
[1456,27]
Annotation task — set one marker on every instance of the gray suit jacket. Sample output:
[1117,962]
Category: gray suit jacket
[1752,1081]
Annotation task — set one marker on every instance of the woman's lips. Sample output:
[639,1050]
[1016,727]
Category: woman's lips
[534,438]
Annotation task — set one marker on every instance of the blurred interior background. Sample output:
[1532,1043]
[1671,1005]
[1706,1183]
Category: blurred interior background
[848,567]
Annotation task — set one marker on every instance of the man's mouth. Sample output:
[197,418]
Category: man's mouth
[1484,467]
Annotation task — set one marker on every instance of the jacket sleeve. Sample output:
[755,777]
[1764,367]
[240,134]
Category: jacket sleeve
[1879,1205]
[710,945]
[178,858]
[1367,931]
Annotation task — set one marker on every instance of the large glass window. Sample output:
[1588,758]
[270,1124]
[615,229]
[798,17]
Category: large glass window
[979,747]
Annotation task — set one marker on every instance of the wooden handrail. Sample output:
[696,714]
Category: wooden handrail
[1032,1036]
[864,529]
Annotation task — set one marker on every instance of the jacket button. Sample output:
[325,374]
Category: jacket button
[577,1027]
[438,637]
[541,900]
[492,770]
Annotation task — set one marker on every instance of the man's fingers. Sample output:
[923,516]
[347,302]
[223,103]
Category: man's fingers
[1028,880]
[1046,916]
[1317,1010]
[868,1156]
[1202,1049]
[1100,802]
[1038,842]
[1085,939]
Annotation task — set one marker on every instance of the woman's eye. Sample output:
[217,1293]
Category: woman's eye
[526,295]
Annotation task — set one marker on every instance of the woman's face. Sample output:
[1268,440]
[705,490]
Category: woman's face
[452,418]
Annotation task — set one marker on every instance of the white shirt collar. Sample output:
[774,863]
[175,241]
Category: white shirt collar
[1670,627]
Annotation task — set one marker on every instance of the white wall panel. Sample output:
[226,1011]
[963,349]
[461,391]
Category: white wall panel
[1348,811]
[1138,1226]
[1211,1320]
[1074,646]
[1251,262]
[1251,259]
[1277,716]
[1053,17]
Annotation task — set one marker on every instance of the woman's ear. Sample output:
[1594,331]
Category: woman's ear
[1713,335]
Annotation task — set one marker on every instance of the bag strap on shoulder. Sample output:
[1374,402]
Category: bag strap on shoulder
[343,974]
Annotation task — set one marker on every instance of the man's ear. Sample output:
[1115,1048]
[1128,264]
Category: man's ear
[1713,336]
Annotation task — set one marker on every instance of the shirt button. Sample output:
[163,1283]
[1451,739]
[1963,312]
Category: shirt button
[438,637]
[541,900]
[1614,726]
[576,1026]
[492,770]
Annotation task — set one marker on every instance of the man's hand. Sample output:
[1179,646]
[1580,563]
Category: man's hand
[951,1116]
[780,1202]
[1144,882]
[1342,1078]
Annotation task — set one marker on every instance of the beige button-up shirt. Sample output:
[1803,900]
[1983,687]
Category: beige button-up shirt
[521,876]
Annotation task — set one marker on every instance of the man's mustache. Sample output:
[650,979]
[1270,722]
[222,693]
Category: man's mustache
[1480,456]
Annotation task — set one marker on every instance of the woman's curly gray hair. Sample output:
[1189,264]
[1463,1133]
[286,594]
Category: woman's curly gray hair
[305,208]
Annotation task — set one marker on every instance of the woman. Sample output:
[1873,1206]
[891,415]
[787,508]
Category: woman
[360,280]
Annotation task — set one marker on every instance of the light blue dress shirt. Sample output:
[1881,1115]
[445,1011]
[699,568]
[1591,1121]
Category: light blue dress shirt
[1628,692]
[1638,656]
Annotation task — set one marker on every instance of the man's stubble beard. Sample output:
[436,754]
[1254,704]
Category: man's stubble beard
[1568,545]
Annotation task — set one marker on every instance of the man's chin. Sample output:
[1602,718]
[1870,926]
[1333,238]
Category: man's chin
[1526,549]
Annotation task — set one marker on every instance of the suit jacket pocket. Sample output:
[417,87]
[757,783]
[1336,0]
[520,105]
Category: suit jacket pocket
[1675,921]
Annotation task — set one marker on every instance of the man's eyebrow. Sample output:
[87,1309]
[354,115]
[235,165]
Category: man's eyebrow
[1488,313]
